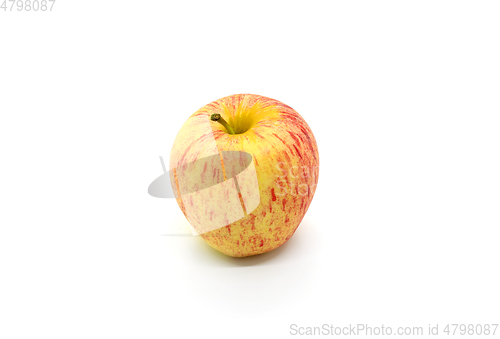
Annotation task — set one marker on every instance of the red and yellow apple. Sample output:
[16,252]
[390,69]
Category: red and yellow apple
[244,170]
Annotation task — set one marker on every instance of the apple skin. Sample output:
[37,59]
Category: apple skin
[286,161]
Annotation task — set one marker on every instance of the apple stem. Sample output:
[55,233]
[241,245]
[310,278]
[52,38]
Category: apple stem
[218,118]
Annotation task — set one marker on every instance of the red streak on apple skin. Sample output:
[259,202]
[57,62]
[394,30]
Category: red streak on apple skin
[298,153]
[294,137]
[278,138]
[186,151]
[251,221]
[284,203]
[258,135]
[273,196]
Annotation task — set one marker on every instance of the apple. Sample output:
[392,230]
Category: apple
[244,170]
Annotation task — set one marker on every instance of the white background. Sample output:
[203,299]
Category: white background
[403,98]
